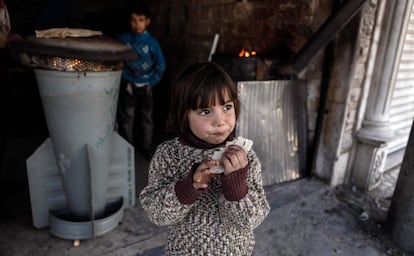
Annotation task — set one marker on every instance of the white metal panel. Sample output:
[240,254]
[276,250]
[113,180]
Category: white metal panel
[273,115]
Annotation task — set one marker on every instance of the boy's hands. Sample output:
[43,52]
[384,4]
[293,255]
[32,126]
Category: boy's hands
[234,158]
[203,174]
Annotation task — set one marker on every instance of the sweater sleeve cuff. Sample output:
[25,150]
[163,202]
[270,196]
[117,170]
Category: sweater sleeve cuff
[185,191]
[234,185]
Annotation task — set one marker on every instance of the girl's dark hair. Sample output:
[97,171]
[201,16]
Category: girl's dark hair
[197,86]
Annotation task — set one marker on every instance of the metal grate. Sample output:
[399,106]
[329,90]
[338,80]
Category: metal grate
[72,64]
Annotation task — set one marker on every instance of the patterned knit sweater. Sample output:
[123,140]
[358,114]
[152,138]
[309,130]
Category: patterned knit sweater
[150,65]
[216,221]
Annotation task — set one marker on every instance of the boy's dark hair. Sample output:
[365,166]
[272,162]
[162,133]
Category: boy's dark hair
[139,9]
[198,86]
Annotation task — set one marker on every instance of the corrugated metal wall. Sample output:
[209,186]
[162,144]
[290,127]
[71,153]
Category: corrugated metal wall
[274,116]
[402,105]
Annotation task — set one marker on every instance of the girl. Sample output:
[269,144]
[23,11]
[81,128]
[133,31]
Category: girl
[206,213]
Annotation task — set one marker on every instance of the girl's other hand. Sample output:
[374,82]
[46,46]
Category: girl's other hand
[203,174]
[234,158]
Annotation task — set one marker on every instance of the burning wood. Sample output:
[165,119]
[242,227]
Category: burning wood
[246,54]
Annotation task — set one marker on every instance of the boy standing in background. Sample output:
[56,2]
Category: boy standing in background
[135,114]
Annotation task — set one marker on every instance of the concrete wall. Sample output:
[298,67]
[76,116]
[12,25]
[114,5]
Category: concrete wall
[348,62]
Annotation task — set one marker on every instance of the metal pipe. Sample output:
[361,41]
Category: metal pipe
[214,46]
[322,36]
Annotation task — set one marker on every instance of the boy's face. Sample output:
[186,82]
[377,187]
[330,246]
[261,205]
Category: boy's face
[139,23]
[214,123]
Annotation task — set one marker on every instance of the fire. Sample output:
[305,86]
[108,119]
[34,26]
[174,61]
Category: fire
[68,64]
[246,54]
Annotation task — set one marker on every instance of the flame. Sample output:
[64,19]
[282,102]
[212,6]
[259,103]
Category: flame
[246,54]
[69,64]
[75,63]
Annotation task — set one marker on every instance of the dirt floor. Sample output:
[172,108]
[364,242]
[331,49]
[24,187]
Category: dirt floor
[307,218]
[313,219]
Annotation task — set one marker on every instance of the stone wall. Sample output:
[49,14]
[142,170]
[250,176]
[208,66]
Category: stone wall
[186,29]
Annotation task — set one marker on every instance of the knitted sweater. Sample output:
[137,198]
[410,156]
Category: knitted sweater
[216,221]
[150,65]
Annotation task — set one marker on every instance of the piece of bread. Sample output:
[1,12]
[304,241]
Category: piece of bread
[244,143]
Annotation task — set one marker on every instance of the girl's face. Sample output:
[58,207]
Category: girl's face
[214,123]
[138,23]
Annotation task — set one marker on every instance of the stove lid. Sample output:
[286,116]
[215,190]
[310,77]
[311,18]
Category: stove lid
[97,48]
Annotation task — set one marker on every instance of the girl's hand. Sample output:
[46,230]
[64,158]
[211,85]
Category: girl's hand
[234,158]
[203,174]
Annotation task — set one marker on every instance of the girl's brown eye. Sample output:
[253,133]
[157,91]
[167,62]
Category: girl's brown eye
[228,106]
[204,112]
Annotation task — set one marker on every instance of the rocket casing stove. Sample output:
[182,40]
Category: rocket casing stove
[81,178]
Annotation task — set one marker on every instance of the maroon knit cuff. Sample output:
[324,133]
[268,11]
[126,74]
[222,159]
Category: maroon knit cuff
[234,185]
[185,191]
